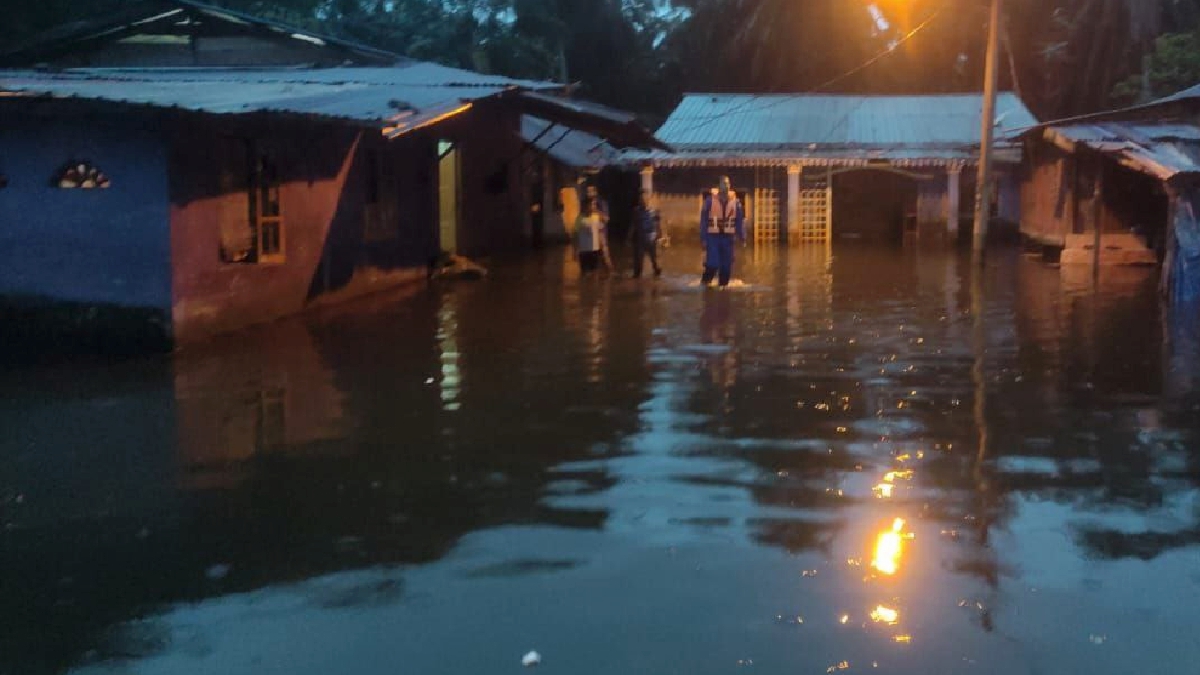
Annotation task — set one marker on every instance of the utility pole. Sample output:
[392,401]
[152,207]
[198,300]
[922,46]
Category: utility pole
[983,183]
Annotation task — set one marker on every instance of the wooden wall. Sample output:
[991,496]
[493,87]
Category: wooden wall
[1065,194]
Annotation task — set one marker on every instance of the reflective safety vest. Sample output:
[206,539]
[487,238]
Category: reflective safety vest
[723,220]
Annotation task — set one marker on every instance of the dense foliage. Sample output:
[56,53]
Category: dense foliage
[1064,56]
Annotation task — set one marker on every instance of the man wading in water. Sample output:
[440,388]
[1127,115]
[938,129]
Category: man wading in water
[721,219]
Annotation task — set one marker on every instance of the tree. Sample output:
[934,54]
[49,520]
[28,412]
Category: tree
[1172,67]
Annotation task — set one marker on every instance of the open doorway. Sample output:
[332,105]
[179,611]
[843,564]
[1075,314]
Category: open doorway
[449,177]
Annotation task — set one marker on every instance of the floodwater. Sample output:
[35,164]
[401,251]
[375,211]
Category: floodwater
[836,468]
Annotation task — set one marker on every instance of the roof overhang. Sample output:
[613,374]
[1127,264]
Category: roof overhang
[835,157]
[619,128]
[1167,152]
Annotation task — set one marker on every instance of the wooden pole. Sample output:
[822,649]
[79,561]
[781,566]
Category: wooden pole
[983,186]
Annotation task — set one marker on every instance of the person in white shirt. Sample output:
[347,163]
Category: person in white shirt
[591,238]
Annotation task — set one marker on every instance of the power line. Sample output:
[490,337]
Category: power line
[784,98]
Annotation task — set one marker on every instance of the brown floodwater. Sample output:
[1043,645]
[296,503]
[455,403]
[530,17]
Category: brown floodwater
[837,466]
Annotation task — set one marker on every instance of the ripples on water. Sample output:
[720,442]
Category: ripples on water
[628,477]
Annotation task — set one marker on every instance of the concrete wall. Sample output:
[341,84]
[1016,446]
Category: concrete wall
[324,171]
[104,246]
[82,266]
[494,217]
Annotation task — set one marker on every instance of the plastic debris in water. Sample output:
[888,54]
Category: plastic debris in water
[745,662]
[1097,639]
[531,659]
[844,619]
[841,665]
[808,573]
[903,639]
[218,571]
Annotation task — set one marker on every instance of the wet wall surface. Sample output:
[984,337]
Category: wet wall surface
[835,467]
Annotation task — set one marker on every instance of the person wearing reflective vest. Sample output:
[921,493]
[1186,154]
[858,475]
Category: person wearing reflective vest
[721,219]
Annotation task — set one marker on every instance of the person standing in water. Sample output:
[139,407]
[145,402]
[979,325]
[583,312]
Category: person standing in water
[591,238]
[721,220]
[645,236]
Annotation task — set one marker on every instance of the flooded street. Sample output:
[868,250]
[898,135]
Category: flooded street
[833,468]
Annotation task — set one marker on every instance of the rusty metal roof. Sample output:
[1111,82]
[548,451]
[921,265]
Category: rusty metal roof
[1163,151]
[935,127]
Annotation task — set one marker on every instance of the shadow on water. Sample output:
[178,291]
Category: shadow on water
[868,457]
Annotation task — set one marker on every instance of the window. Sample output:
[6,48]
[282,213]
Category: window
[80,174]
[253,232]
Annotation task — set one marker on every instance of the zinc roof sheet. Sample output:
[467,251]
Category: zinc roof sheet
[355,94]
[1163,151]
[801,122]
[576,149]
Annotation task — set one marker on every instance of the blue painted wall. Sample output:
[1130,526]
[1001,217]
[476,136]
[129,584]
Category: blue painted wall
[110,246]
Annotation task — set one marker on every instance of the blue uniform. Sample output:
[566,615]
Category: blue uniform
[720,222]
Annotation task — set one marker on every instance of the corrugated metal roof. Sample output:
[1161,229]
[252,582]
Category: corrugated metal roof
[904,157]
[1163,151]
[409,93]
[576,149]
[1189,93]
[1138,132]
[804,124]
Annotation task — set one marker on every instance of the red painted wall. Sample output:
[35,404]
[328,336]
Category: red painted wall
[325,173]
[494,217]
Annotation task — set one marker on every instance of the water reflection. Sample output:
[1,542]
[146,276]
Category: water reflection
[451,377]
[889,546]
[920,467]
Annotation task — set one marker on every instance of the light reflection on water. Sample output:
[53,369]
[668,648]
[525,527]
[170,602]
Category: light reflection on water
[586,466]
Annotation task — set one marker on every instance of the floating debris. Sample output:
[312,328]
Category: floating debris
[742,663]
[903,638]
[840,665]
[1097,639]
[844,619]
[808,573]
[531,659]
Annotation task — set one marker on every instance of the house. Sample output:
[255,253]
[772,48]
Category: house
[178,170]
[814,167]
[1120,187]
